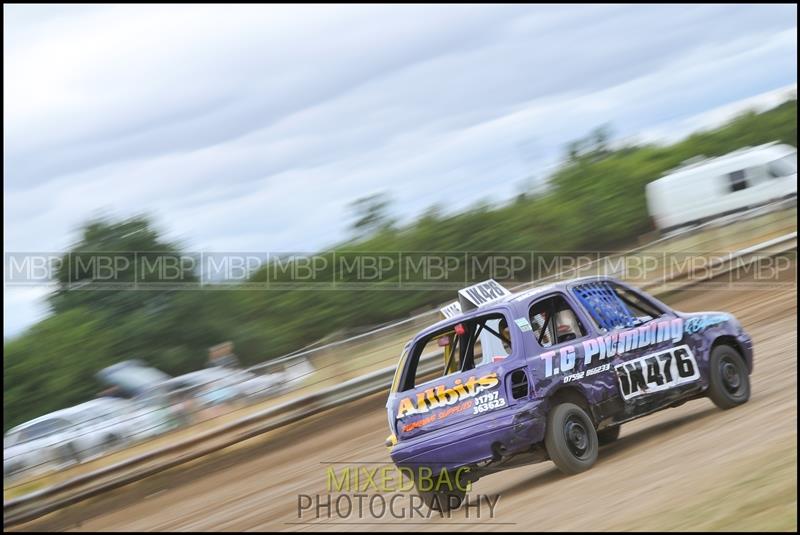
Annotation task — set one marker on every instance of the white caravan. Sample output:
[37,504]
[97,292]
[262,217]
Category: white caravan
[703,189]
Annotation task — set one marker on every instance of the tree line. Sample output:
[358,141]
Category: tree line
[594,201]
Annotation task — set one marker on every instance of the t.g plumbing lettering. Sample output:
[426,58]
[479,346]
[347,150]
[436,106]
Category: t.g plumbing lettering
[617,343]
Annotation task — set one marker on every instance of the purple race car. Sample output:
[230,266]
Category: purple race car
[550,373]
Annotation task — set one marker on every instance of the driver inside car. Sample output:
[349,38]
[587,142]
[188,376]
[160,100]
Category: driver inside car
[538,323]
[505,335]
[566,326]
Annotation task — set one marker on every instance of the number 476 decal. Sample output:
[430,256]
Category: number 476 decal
[657,371]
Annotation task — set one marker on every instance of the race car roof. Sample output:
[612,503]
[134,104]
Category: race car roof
[508,297]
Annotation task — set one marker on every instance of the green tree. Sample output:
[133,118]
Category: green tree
[371,214]
[111,264]
[594,201]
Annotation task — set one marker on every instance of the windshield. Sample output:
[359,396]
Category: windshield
[641,308]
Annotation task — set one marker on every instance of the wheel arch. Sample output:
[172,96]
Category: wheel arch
[727,340]
[571,394]
[733,342]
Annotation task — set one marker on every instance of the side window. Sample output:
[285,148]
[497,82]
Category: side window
[37,430]
[493,341]
[43,428]
[60,424]
[555,322]
[737,181]
[460,347]
[540,322]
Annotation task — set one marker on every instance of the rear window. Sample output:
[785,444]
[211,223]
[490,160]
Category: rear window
[400,367]
[456,348]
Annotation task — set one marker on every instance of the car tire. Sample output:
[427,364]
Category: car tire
[442,500]
[110,443]
[571,439]
[608,435]
[67,455]
[729,380]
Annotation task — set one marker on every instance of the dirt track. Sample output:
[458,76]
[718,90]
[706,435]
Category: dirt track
[691,467]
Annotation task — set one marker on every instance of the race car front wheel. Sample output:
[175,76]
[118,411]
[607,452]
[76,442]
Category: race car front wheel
[571,439]
[729,382]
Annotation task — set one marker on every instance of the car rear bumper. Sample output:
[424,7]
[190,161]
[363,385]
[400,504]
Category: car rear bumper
[478,440]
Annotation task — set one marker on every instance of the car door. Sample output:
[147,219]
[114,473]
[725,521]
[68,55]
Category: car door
[642,345]
[98,430]
[79,429]
[559,331]
[77,435]
[47,438]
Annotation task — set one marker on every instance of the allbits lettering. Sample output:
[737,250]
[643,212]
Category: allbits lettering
[442,396]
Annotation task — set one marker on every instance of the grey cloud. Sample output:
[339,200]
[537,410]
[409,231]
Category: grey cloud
[258,134]
[437,71]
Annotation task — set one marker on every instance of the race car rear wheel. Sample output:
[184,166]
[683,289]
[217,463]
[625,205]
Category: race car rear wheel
[447,498]
[571,439]
[608,435]
[729,382]
[443,501]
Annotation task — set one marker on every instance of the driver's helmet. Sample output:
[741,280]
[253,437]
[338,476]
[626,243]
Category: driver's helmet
[505,334]
[566,326]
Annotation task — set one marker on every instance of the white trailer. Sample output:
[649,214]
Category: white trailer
[703,189]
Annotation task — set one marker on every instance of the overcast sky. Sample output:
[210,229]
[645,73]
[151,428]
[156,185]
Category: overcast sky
[252,127]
